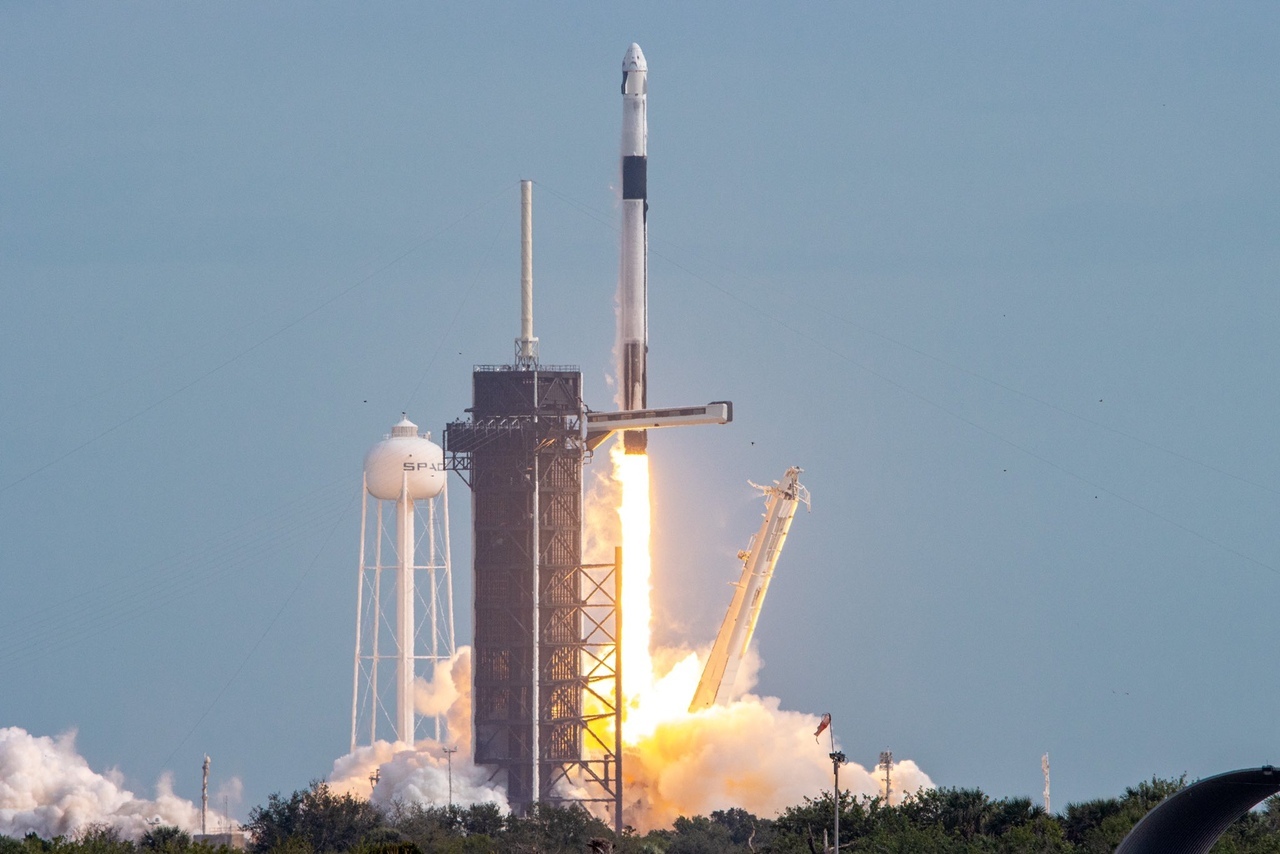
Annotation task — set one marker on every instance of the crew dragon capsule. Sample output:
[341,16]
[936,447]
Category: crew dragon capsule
[633,277]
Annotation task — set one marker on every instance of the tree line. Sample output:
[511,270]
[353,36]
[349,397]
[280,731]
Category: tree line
[315,820]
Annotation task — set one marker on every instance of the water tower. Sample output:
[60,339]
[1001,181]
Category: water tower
[404,599]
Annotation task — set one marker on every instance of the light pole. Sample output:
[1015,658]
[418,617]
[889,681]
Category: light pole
[837,759]
[448,752]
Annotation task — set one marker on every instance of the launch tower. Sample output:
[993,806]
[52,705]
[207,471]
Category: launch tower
[545,625]
[524,451]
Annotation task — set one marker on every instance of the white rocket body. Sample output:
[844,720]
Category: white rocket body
[633,278]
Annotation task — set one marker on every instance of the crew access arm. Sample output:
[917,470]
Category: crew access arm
[758,562]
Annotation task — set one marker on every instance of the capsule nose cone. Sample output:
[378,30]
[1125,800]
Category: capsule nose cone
[634,59]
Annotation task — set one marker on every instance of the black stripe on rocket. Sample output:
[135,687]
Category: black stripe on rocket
[635,186]
[635,180]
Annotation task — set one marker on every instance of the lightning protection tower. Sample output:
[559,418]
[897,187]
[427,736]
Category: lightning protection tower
[404,598]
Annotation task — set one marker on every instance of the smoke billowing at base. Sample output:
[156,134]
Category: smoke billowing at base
[47,788]
[750,754]
[420,773]
[745,752]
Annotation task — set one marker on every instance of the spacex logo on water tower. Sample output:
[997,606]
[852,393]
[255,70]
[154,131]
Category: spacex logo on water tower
[404,451]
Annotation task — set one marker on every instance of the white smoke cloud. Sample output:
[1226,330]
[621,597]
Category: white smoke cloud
[749,754]
[435,696]
[420,773]
[229,795]
[47,788]
[229,792]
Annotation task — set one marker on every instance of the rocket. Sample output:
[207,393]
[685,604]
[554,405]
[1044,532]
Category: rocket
[633,276]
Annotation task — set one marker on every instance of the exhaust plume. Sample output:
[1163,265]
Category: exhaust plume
[47,788]
[747,753]
[750,753]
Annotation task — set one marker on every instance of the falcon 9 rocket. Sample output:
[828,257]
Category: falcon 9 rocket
[633,277]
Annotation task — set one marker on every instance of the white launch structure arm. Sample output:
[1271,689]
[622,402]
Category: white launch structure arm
[601,425]
[758,563]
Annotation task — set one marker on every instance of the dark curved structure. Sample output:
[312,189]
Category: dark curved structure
[1190,821]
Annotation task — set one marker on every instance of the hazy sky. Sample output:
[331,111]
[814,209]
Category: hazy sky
[1001,277]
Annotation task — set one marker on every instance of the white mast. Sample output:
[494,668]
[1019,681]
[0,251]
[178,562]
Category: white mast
[204,797]
[886,762]
[526,344]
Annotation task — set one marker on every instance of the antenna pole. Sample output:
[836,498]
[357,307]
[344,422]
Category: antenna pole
[837,759]
[886,761]
[448,752]
[204,798]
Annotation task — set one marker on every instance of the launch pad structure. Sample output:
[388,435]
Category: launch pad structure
[546,669]
[547,665]
[546,662]
[546,655]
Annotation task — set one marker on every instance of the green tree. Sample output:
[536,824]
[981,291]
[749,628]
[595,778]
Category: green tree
[448,830]
[1083,823]
[480,819]
[550,828]
[165,839]
[745,829]
[1042,835]
[700,835]
[802,827]
[961,813]
[1097,827]
[102,839]
[314,820]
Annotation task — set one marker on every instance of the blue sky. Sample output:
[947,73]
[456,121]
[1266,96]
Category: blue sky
[1000,277]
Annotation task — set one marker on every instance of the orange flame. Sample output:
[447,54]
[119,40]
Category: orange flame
[649,698]
[748,753]
[632,472]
